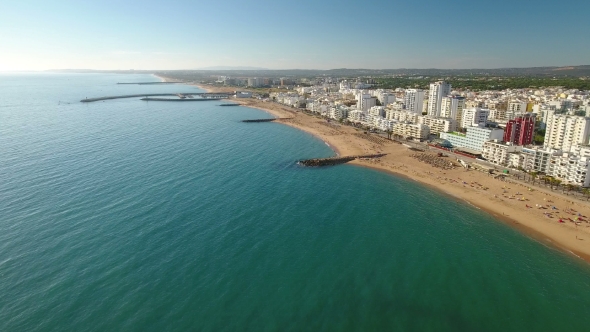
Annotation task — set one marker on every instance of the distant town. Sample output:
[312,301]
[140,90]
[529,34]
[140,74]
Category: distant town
[542,130]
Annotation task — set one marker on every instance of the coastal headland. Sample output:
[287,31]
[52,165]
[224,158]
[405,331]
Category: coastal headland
[551,218]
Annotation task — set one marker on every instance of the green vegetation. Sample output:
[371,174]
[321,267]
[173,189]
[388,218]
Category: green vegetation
[484,83]
[539,137]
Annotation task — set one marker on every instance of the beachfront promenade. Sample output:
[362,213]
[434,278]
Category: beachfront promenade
[203,95]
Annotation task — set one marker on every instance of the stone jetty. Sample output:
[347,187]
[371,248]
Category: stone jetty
[336,160]
[265,120]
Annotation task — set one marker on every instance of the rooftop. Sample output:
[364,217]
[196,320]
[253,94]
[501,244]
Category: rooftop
[457,134]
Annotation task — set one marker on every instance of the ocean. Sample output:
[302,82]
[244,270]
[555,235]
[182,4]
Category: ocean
[127,215]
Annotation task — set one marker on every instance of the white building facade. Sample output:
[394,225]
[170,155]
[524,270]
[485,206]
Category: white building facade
[564,131]
[437,91]
[475,137]
[474,117]
[414,100]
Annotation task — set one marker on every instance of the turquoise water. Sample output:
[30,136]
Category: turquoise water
[132,216]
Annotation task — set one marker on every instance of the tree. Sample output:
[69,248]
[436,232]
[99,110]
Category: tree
[569,187]
[547,179]
[555,182]
[534,175]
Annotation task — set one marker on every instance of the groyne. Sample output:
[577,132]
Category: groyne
[336,160]
[265,120]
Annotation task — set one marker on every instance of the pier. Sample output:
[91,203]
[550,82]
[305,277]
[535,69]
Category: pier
[336,160]
[146,95]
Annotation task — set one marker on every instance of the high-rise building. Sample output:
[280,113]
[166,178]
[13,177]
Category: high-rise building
[564,131]
[515,109]
[414,100]
[437,91]
[365,101]
[386,98]
[474,117]
[520,130]
[452,107]
[254,82]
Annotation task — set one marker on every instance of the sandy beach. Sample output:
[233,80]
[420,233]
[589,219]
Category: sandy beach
[535,211]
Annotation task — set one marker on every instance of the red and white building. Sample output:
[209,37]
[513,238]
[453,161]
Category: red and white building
[520,131]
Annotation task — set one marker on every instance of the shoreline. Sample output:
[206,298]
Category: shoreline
[507,220]
[522,216]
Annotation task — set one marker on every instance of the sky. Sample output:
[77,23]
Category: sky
[375,34]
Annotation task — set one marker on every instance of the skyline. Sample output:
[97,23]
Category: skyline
[376,35]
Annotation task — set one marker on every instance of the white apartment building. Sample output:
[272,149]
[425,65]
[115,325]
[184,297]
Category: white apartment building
[414,100]
[409,130]
[565,104]
[499,152]
[437,91]
[397,106]
[581,150]
[338,113]
[377,111]
[438,125]
[497,115]
[474,117]
[517,107]
[356,116]
[543,111]
[491,104]
[570,168]
[255,81]
[317,107]
[384,124]
[564,131]
[365,101]
[516,159]
[452,107]
[402,116]
[386,98]
[475,137]
[536,158]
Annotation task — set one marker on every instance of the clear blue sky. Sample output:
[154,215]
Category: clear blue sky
[37,35]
